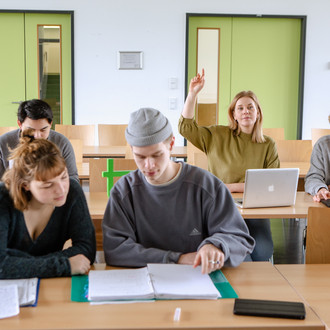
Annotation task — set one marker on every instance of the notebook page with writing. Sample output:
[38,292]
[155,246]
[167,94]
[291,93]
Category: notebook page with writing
[173,281]
[119,284]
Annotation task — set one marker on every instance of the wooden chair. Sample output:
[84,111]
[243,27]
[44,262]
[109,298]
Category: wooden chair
[86,133]
[77,146]
[4,130]
[294,150]
[111,135]
[200,160]
[196,156]
[128,152]
[318,132]
[97,166]
[275,133]
[317,236]
[191,151]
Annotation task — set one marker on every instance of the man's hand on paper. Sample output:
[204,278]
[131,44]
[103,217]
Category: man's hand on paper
[210,258]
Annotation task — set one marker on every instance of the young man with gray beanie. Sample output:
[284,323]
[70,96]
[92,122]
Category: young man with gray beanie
[170,212]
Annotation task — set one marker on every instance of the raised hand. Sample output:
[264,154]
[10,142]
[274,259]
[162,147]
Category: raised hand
[197,83]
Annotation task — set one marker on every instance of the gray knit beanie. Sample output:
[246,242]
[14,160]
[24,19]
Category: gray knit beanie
[147,126]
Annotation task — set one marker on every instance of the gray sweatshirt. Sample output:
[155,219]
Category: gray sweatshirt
[144,223]
[11,139]
[318,175]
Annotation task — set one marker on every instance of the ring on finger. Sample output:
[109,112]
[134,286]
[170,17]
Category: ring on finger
[214,262]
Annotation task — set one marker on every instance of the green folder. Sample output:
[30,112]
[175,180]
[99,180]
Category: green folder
[79,286]
[222,284]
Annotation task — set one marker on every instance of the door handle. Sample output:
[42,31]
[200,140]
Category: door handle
[17,102]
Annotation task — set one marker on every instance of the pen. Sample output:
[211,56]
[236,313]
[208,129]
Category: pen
[177,314]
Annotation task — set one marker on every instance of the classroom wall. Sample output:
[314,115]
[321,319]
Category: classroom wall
[105,94]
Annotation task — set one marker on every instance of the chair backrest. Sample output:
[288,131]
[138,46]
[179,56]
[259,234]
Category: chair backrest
[200,160]
[128,152]
[318,132]
[294,150]
[275,133]
[111,135]
[120,167]
[86,133]
[77,146]
[191,152]
[4,130]
[317,236]
[196,156]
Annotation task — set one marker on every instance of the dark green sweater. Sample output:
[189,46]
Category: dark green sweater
[22,257]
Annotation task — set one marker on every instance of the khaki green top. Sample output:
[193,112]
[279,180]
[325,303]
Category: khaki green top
[229,156]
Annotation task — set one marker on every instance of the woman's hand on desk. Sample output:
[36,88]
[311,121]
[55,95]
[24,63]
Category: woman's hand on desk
[321,194]
[79,264]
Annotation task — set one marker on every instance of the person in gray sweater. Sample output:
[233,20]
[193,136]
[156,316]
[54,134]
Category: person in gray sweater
[40,210]
[168,211]
[317,181]
[37,115]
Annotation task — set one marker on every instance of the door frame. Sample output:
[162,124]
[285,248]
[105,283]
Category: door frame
[71,13]
[303,20]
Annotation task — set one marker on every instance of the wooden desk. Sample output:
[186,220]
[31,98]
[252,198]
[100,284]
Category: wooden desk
[250,280]
[299,210]
[97,202]
[119,151]
[83,171]
[312,283]
[83,168]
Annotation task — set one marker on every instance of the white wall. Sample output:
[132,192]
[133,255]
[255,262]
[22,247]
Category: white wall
[157,27]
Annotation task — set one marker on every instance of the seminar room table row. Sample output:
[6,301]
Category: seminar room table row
[97,202]
[250,280]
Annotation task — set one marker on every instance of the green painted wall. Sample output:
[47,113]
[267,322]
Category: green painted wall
[258,54]
[12,64]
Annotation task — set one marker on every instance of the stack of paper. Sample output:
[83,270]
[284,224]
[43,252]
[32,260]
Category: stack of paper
[156,281]
[27,290]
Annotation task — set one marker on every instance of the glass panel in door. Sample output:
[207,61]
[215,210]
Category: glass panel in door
[49,40]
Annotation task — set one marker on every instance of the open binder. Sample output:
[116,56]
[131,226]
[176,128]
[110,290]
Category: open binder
[80,284]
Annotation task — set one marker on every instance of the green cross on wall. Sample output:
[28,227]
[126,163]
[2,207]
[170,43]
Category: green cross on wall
[110,174]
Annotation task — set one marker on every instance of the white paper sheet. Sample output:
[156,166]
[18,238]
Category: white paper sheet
[173,281]
[8,301]
[119,284]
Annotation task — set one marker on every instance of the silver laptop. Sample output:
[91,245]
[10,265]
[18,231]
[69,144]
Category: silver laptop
[269,188]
